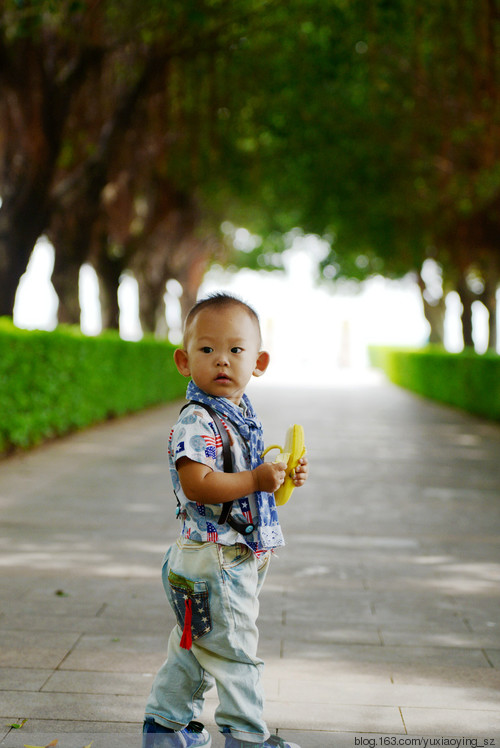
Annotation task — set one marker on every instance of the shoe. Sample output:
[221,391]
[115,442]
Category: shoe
[272,742]
[194,735]
[294,449]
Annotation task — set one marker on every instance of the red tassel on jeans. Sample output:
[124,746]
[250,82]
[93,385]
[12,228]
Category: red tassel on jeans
[187,638]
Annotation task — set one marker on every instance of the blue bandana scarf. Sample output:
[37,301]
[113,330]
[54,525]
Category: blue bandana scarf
[269,533]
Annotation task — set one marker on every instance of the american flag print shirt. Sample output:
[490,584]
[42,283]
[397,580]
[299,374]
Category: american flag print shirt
[195,436]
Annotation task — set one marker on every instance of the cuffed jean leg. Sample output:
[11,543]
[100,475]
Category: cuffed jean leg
[236,668]
[178,692]
[177,695]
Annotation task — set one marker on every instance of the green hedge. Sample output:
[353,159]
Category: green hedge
[55,382]
[466,380]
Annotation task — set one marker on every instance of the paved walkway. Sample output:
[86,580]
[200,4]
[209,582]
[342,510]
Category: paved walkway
[379,621]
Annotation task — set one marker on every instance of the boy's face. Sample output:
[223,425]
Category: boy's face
[221,351]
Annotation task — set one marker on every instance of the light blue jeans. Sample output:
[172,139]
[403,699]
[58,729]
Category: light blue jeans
[223,583]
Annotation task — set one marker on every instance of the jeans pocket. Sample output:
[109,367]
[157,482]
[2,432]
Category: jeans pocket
[231,556]
[184,589]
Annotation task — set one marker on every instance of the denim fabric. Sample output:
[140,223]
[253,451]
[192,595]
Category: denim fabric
[223,583]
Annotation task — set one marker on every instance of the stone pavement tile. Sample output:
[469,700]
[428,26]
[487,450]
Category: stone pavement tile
[54,602]
[74,735]
[483,621]
[120,654]
[76,681]
[337,577]
[454,722]
[493,656]
[330,612]
[137,608]
[86,739]
[71,706]
[76,611]
[35,649]
[454,625]
[336,566]
[421,615]
[12,586]
[80,727]
[447,697]
[115,626]
[301,715]
[22,679]
[481,607]
[338,605]
[326,672]
[333,632]
[350,654]
[270,645]
[439,637]
[433,675]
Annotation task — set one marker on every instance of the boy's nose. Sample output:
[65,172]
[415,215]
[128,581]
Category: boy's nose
[222,360]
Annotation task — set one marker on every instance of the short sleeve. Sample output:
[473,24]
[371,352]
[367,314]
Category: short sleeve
[195,436]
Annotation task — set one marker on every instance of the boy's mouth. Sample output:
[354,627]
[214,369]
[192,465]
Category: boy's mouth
[222,378]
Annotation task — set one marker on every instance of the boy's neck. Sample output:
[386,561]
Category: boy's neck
[240,405]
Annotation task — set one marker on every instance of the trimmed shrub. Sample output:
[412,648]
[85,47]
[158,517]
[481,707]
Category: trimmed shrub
[466,380]
[55,382]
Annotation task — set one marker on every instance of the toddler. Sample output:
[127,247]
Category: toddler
[214,572]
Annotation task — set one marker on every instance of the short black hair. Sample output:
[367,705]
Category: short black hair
[220,299]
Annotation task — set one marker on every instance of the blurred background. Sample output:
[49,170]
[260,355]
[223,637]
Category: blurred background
[334,163]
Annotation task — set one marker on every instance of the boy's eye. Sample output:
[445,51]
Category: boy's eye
[236,349]
[206,349]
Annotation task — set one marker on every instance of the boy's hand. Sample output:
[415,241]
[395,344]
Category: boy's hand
[301,472]
[269,476]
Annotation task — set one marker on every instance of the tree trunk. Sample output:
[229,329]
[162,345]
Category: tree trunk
[489,300]
[20,227]
[161,329]
[466,297]
[14,257]
[37,111]
[65,279]
[78,199]
[492,325]
[70,239]
[109,271]
[434,312]
[150,302]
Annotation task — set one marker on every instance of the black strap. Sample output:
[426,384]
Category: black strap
[226,454]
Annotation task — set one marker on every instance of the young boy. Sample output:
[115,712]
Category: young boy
[214,572]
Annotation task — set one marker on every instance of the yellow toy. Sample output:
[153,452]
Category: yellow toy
[294,449]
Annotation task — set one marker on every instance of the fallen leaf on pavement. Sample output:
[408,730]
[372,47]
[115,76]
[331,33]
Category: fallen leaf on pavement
[18,725]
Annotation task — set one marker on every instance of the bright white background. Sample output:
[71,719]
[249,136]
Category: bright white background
[314,334]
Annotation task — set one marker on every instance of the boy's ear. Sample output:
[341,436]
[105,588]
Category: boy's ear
[182,362]
[262,363]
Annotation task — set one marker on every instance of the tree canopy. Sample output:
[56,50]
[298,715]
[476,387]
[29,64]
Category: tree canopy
[131,130]
[399,156]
